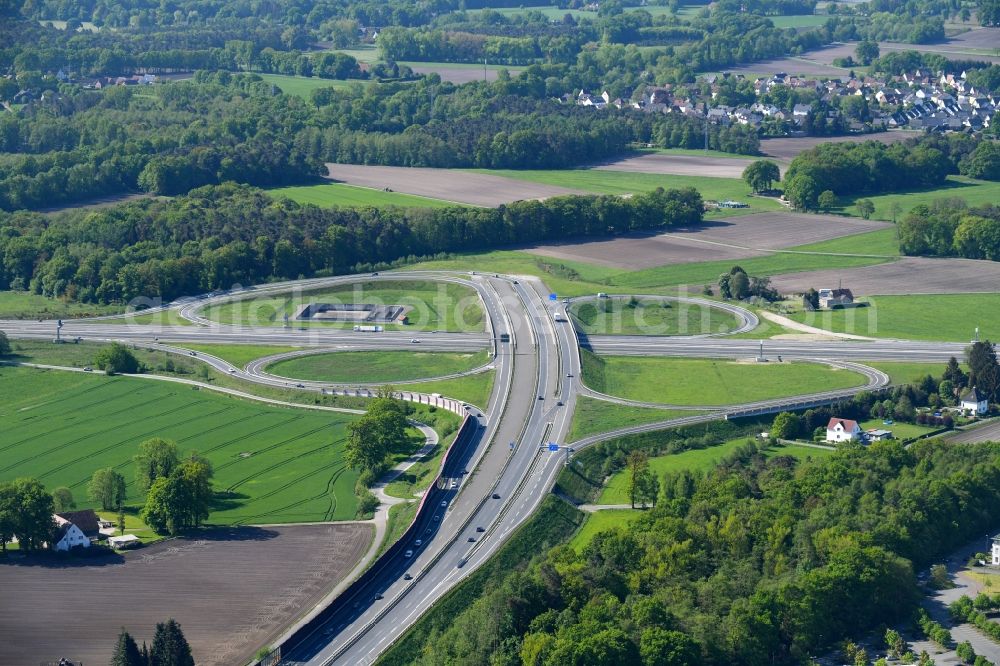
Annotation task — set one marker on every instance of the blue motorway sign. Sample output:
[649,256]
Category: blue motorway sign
[553,297]
[553,446]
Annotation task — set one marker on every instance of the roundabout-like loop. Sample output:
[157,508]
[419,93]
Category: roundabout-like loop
[748,321]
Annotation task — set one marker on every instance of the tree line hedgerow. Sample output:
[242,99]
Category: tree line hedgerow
[220,236]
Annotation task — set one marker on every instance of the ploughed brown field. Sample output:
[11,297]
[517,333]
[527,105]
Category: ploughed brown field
[478,189]
[681,165]
[730,238]
[232,591]
[909,275]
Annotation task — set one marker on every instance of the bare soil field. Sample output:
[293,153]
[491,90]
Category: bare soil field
[459,75]
[232,591]
[785,149]
[95,204]
[990,432]
[797,66]
[964,46]
[450,185]
[681,165]
[910,275]
[730,238]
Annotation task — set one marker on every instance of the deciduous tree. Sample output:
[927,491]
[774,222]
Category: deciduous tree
[157,458]
[107,487]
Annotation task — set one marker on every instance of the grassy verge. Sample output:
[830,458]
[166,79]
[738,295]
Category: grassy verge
[680,381]
[551,525]
[400,517]
[239,355]
[377,366]
[351,196]
[699,461]
[432,306]
[594,416]
[601,521]
[907,373]
[939,317]
[25,305]
[474,389]
[625,316]
[419,476]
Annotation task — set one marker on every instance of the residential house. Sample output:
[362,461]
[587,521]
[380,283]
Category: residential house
[842,430]
[995,552]
[834,298]
[973,402]
[68,536]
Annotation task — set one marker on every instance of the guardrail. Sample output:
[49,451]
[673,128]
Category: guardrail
[429,502]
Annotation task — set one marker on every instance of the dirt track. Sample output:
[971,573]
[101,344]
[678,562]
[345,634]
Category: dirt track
[681,165]
[732,238]
[910,275]
[478,189]
[232,591]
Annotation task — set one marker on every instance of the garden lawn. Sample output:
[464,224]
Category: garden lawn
[941,317]
[593,416]
[271,464]
[974,192]
[328,194]
[899,430]
[680,381]
[303,86]
[624,316]
[433,306]
[373,367]
[600,521]
[700,461]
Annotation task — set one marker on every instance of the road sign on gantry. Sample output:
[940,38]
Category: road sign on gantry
[553,297]
[553,446]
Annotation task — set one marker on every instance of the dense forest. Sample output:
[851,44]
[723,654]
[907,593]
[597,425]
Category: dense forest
[762,561]
[220,236]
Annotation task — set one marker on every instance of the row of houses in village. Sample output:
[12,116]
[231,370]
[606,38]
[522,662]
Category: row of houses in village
[916,100]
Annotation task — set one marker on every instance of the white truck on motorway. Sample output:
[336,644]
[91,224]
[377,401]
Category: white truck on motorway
[559,317]
[363,328]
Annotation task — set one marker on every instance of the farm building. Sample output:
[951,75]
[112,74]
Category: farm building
[68,536]
[842,430]
[124,541]
[832,298]
[974,402]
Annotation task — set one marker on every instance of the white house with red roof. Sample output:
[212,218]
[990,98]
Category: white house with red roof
[842,430]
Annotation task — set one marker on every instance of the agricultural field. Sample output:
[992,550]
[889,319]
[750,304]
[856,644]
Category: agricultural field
[26,305]
[376,367]
[650,316]
[785,149]
[593,416]
[458,73]
[799,21]
[221,585]
[434,306]
[944,317]
[974,192]
[700,461]
[272,465]
[708,381]
[303,86]
[327,195]
[689,163]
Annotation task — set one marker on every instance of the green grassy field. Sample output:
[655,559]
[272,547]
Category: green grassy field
[601,521]
[303,86]
[906,373]
[625,182]
[474,389]
[700,460]
[328,195]
[371,367]
[549,12]
[944,317]
[25,305]
[271,464]
[434,306]
[622,316]
[239,355]
[594,416]
[800,21]
[974,192]
[361,52]
[682,381]
[437,64]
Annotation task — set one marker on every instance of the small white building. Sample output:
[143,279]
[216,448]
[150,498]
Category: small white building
[975,403]
[124,541]
[995,552]
[842,430]
[68,535]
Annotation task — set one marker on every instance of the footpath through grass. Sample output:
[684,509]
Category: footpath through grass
[372,367]
[937,317]
[432,306]
[684,381]
[328,195]
[700,461]
[272,464]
